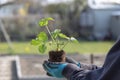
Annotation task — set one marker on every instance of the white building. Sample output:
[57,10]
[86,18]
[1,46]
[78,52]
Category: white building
[100,15]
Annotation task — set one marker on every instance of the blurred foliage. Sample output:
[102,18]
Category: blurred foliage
[69,15]
[25,27]
[84,47]
[20,29]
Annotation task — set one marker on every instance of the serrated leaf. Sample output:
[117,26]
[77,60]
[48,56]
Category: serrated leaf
[34,42]
[44,22]
[61,35]
[42,36]
[42,48]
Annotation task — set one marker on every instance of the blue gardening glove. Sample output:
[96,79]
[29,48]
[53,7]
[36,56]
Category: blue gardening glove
[55,69]
[70,60]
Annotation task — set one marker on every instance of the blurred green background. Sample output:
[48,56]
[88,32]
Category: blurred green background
[19,25]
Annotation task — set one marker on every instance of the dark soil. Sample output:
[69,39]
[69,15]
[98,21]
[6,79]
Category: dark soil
[57,56]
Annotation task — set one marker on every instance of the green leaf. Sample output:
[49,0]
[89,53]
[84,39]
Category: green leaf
[55,33]
[34,42]
[42,48]
[63,36]
[49,18]
[74,40]
[42,36]
[44,22]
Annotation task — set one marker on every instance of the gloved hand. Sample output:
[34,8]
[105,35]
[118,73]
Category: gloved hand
[55,69]
[70,60]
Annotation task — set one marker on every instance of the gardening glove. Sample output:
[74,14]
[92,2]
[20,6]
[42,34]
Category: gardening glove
[71,60]
[55,69]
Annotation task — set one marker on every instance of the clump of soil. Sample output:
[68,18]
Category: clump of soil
[57,56]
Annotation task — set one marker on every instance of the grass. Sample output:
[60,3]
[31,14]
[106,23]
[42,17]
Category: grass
[82,47]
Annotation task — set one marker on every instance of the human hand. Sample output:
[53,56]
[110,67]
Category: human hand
[54,69]
[71,60]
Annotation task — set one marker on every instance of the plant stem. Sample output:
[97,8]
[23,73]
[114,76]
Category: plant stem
[65,44]
[53,38]
[58,45]
[50,33]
